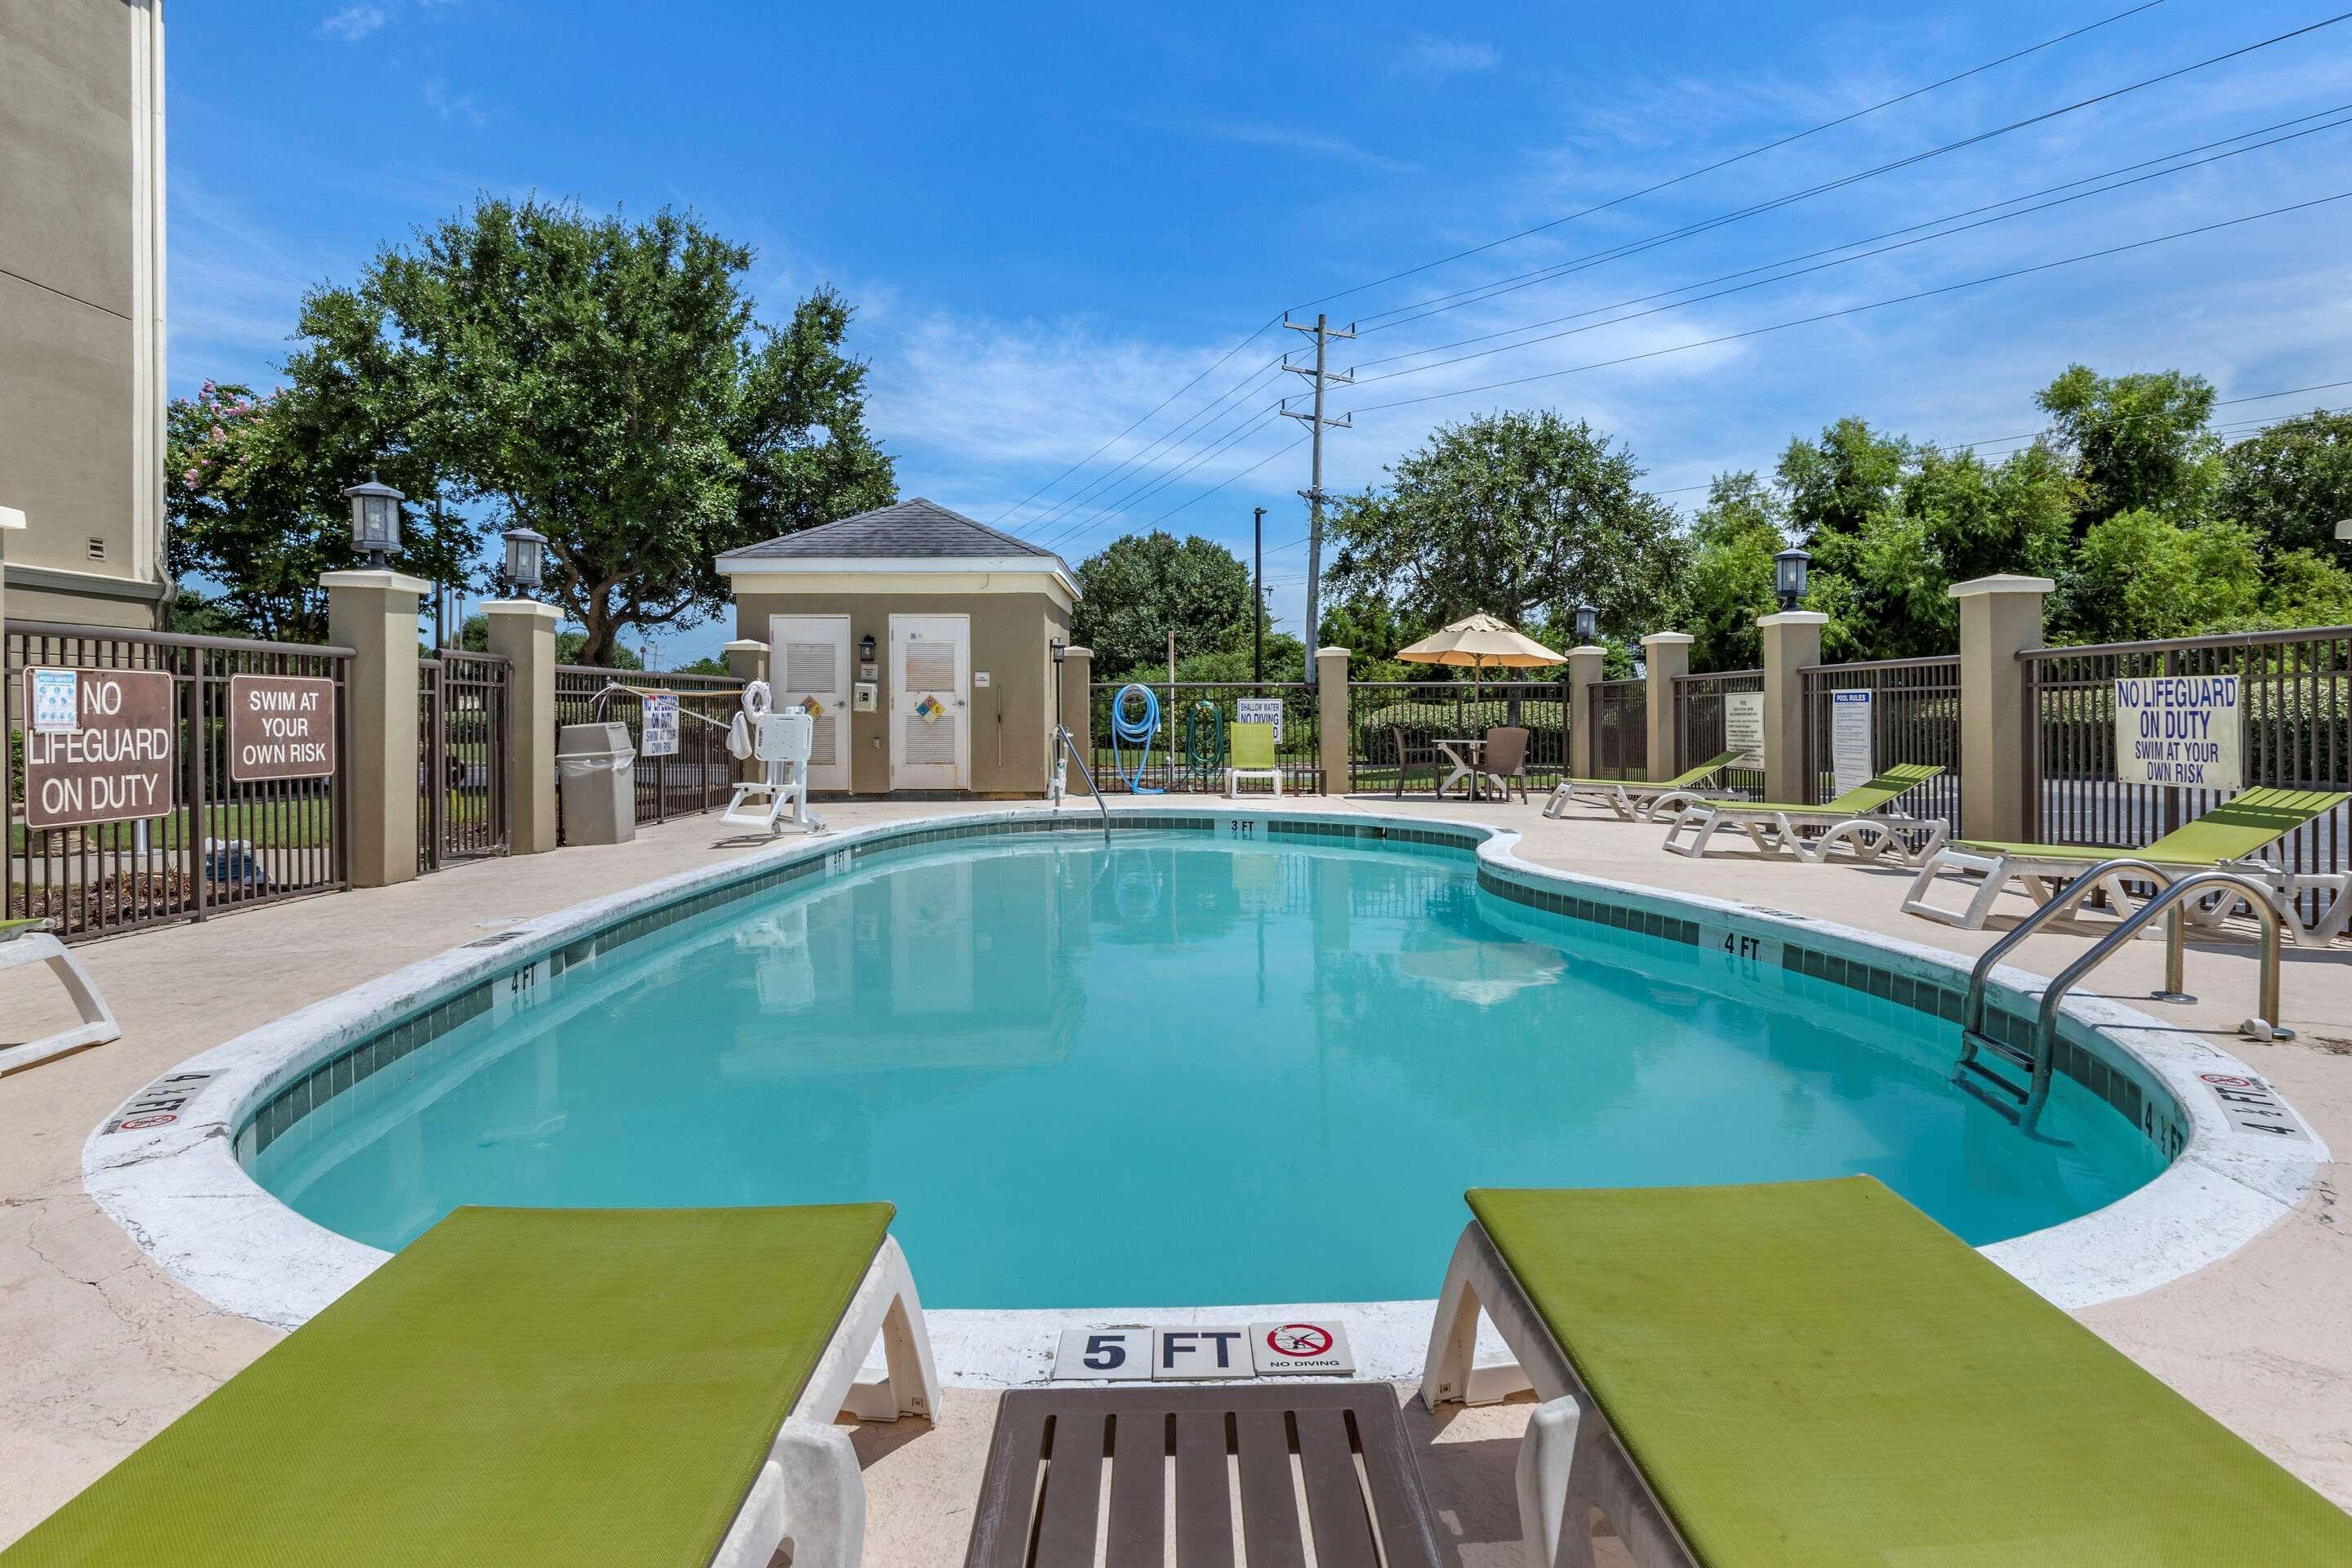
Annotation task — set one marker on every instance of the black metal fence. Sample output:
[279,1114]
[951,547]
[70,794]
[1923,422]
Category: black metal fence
[223,844]
[1915,716]
[701,775]
[1394,727]
[1619,747]
[1702,729]
[2295,693]
[461,757]
[1188,753]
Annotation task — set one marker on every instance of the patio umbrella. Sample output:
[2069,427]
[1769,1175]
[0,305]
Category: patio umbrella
[1479,641]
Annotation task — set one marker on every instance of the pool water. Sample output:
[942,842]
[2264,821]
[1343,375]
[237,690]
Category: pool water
[1174,1071]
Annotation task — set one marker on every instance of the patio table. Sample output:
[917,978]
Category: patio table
[1465,766]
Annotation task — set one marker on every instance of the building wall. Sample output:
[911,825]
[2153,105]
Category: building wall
[1011,723]
[81,307]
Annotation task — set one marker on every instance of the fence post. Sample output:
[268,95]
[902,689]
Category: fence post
[1999,616]
[523,631]
[374,613]
[1078,702]
[747,661]
[1665,656]
[1793,640]
[1584,668]
[1333,737]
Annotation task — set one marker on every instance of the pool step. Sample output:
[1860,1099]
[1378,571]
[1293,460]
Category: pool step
[1972,1061]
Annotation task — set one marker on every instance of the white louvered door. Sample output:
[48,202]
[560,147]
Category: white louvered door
[931,708]
[808,666]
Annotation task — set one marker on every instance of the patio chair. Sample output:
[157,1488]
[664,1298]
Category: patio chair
[1851,819]
[1250,755]
[1815,1375]
[543,1387]
[1503,760]
[1412,751]
[2225,837]
[28,941]
[1634,798]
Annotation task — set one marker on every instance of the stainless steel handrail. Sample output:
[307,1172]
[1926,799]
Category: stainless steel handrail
[1070,747]
[1972,1014]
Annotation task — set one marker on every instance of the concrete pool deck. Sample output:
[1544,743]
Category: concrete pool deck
[105,1349]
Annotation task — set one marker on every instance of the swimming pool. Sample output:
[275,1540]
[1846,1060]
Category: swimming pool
[1213,1062]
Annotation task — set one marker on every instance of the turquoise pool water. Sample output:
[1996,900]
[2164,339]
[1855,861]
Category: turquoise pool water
[1174,1071]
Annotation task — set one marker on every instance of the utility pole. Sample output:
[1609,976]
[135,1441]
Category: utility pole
[1321,376]
[1257,602]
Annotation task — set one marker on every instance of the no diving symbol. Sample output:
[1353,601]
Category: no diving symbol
[1299,1340]
[2227,1081]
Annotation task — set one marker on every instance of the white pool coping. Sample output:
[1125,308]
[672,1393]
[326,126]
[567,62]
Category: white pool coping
[181,1193]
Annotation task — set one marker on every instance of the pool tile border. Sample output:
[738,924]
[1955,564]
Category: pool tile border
[184,1193]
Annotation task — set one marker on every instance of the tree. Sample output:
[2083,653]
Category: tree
[1521,515]
[1140,587]
[474,636]
[608,384]
[1734,538]
[1371,631]
[2142,574]
[2136,441]
[253,489]
[2293,482]
[1837,482]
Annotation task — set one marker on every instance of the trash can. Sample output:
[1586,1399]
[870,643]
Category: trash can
[596,770]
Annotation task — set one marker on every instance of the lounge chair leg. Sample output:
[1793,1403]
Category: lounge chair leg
[824,1496]
[1552,1518]
[1995,875]
[1701,822]
[1453,1338]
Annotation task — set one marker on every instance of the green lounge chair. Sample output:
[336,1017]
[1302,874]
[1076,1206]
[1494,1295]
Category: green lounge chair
[28,941]
[1634,798]
[2225,837]
[1250,757]
[1815,1375]
[647,1388]
[1851,819]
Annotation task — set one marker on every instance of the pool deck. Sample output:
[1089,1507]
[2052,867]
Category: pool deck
[104,1350]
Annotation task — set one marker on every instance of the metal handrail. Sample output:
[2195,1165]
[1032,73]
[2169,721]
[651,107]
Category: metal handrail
[1972,1013]
[1070,749]
[2167,900]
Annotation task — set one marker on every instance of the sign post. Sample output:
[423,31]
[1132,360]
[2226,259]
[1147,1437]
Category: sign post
[2182,731]
[102,746]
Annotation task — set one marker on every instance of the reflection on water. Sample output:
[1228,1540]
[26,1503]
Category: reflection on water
[1172,1071]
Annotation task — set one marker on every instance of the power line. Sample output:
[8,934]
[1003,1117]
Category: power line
[1152,487]
[1737,158]
[1594,258]
[1858,310]
[1206,416]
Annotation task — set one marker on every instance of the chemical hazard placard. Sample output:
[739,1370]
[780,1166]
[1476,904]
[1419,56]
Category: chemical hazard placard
[118,759]
[280,727]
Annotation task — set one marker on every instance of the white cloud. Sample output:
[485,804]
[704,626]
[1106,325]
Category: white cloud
[353,23]
[1447,57]
[1288,138]
[452,106]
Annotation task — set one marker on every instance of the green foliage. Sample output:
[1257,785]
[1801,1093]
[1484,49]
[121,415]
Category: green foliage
[1520,515]
[1837,483]
[1729,584]
[2293,483]
[570,647]
[1371,631]
[1139,588]
[2141,574]
[2138,442]
[604,381]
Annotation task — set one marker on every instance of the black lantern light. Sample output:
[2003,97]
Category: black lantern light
[526,563]
[1588,624]
[1789,576]
[375,519]
[1061,650]
[866,648]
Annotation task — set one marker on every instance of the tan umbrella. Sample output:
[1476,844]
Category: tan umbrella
[1479,641]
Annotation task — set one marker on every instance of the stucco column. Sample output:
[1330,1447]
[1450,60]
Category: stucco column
[747,660]
[374,613]
[1664,655]
[11,522]
[1077,703]
[1793,640]
[1585,665]
[523,632]
[1999,616]
[1331,718]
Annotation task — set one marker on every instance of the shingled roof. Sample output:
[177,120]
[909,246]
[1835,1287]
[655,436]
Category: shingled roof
[915,530]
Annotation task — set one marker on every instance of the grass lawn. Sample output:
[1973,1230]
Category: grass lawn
[295,823]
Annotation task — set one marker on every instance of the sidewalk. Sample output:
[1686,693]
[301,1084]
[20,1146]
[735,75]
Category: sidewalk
[104,1350]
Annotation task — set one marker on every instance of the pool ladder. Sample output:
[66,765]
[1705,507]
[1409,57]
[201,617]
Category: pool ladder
[1976,1045]
[1069,749]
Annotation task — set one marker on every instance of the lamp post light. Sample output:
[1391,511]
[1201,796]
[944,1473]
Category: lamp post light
[375,519]
[526,563]
[1588,624]
[2344,529]
[1789,576]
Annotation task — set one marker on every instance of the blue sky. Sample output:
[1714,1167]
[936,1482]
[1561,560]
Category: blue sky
[1050,217]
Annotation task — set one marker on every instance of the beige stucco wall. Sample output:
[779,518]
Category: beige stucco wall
[1011,722]
[81,304]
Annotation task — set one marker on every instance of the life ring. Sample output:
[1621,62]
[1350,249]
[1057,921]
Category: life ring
[756,699]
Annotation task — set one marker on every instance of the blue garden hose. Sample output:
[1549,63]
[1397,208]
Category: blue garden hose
[1134,731]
